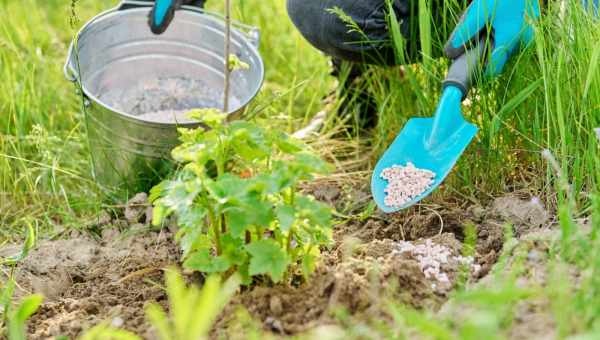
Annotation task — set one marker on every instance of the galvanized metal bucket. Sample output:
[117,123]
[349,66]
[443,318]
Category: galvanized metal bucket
[116,49]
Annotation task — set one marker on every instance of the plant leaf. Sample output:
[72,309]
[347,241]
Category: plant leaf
[307,163]
[27,246]
[28,306]
[193,217]
[249,141]
[267,258]
[203,261]
[286,216]
[286,143]
[233,250]
[209,116]
[309,261]
[192,239]
[16,323]
[159,320]
[317,212]
[250,210]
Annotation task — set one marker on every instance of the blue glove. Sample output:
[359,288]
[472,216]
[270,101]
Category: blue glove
[163,12]
[508,22]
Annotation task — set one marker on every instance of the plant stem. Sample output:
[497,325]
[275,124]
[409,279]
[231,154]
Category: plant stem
[215,222]
[289,241]
[293,196]
[227,52]
[291,202]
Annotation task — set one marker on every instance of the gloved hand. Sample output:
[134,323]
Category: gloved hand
[509,24]
[163,12]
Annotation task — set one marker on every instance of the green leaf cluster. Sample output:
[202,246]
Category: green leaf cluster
[236,201]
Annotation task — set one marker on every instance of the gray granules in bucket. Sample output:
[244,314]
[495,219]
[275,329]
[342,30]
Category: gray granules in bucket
[165,99]
[405,183]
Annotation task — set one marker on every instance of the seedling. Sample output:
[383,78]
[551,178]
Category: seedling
[236,200]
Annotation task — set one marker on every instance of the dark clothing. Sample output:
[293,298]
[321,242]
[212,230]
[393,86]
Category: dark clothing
[368,42]
[327,32]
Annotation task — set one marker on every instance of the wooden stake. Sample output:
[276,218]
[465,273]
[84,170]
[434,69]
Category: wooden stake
[227,53]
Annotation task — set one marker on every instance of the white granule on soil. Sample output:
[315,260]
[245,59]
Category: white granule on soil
[405,183]
[432,257]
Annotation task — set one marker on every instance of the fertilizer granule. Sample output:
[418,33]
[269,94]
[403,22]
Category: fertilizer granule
[405,183]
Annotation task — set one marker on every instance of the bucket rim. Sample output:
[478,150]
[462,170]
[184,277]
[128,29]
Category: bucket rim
[73,75]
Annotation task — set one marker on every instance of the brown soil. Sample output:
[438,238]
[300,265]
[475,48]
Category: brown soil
[87,281]
[111,277]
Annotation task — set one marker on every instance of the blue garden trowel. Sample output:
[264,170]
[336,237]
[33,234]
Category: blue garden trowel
[433,143]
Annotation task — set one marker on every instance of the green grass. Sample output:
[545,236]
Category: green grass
[43,161]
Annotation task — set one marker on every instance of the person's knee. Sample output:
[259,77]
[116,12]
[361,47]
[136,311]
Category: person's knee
[309,19]
[328,32]
[324,29]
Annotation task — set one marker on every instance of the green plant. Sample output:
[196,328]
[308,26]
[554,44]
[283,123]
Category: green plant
[192,311]
[16,317]
[236,200]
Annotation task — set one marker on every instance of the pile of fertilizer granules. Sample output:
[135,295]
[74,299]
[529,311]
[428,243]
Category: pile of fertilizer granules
[432,257]
[405,183]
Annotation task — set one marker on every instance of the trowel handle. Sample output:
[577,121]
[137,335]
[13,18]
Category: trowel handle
[465,68]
